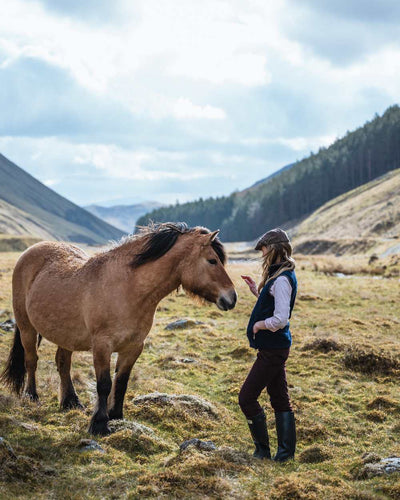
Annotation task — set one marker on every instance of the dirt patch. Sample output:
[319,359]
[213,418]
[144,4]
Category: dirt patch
[241,353]
[383,403]
[314,454]
[375,416]
[322,345]
[370,361]
[307,297]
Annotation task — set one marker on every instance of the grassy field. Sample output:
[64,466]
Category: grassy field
[343,373]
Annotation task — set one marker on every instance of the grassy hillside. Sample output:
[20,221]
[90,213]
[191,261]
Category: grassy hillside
[362,219]
[299,189]
[343,375]
[29,207]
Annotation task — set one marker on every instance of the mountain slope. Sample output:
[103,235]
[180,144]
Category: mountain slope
[293,193]
[358,220]
[123,217]
[29,207]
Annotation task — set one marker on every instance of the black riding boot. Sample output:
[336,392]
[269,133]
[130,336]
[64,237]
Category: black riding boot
[259,433]
[286,431]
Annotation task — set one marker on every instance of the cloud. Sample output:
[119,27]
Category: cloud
[344,31]
[183,99]
[185,109]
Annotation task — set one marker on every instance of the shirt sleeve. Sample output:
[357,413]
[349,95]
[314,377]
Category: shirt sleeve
[282,292]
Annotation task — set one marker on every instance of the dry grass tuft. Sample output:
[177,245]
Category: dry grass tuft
[136,443]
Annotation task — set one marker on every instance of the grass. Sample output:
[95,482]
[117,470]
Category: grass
[342,412]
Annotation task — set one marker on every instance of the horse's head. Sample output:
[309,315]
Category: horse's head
[202,269]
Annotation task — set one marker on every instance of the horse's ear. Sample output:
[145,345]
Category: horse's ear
[213,235]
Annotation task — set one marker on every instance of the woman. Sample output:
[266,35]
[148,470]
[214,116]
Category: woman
[268,331]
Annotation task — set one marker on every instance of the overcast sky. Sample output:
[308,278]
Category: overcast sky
[164,100]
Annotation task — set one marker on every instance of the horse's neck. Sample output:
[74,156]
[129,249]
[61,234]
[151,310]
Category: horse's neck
[156,279]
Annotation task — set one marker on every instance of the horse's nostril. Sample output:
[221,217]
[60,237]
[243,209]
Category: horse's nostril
[227,302]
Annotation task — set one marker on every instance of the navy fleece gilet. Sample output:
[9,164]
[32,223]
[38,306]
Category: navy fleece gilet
[264,308]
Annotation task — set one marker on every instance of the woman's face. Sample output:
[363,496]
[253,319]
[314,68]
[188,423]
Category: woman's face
[264,250]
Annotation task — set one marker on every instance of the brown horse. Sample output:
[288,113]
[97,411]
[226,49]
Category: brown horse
[106,304]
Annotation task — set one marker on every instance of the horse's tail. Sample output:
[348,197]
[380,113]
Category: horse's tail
[13,375]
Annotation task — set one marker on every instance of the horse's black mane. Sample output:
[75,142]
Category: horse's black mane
[161,237]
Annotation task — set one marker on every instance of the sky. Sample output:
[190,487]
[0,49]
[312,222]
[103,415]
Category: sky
[131,100]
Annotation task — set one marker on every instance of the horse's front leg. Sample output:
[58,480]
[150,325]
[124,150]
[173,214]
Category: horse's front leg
[101,358]
[125,362]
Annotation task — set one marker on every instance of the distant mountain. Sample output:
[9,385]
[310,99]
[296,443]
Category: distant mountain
[28,207]
[289,195]
[365,218]
[123,217]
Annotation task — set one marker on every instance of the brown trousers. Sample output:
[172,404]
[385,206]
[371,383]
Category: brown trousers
[267,371]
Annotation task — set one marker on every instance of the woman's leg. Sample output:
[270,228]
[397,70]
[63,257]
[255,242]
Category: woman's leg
[284,417]
[262,372]
[266,369]
[277,385]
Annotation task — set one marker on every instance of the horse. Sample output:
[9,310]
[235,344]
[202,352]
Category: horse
[106,303]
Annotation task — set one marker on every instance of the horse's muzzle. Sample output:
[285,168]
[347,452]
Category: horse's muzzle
[227,300]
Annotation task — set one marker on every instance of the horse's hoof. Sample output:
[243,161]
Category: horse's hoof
[115,415]
[71,403]
[99,428]
[32,396]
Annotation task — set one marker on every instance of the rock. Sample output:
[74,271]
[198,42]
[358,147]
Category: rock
[193,403]
[90,445]
[197,443]
[384,466]
[182,324]
[8,325]
[186,360]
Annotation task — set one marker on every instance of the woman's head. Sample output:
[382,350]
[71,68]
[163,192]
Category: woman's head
[276,249]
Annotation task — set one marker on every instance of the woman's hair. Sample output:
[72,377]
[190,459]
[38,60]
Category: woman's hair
[279,249]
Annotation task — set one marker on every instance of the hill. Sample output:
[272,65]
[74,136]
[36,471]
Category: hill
[28,207]
[123,217]
[293,193]
[361,219]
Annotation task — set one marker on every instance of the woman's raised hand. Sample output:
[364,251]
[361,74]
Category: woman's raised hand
[251,283]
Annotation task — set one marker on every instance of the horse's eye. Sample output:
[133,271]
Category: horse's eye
[212,261]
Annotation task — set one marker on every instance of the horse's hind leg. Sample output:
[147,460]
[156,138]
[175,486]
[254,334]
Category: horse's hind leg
[125,362]
[68,396]
[29,342]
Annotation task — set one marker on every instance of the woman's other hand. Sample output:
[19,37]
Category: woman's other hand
[251,283]
[258,325]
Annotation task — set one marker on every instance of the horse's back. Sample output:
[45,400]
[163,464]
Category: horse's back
[46,255]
